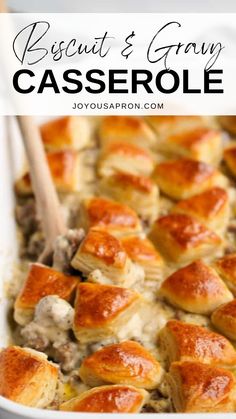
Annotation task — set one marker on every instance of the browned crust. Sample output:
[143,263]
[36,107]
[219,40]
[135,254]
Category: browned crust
[170,123]
[196,279]
[105,212]
[129,150]
[96,304]
[142,183]
[63,166]
[42,281]
[185,230]
[228,309]
[197,343]
[226,267]
[196,287]
[204,388]
[57,131]
[67,132]
[229,123]
[207,204]
[123,126]
[192,139]
[141,250]
[126,362]
[184,172]
[104,246]
[224,319]
[107,399]
[17,368]
[230,159]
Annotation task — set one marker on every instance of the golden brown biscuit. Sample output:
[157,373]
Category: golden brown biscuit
[201,143]
[196,288]
[230,159]
[181,341]
[197,388]
[122,157]
[40,282]
[228,123]
[100,250]
[171,124]
[27,377]
[127,129]
[183,178]
[139,192]
[108,399]
[101,310]
[65,167]
[182,238]
[122,363]
[143,252]
[210,207]
[226,268]
[68,132]
[224,319]
[103,213]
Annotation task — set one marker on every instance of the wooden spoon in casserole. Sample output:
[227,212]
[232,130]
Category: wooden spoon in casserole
[47,200]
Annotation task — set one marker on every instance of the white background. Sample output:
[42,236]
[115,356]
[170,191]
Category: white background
[84,27]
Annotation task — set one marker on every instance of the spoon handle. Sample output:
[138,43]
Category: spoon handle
[47,201]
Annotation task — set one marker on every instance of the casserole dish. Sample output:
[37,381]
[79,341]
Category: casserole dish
[11,162]
[12,156]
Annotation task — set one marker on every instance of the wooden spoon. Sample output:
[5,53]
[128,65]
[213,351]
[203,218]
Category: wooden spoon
[47,201]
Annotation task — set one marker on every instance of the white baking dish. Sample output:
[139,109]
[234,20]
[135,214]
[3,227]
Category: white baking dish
[11,162]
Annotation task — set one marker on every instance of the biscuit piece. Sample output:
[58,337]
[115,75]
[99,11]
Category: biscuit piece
[122,363]
[108,399]
[172,124]
[101,310]
[65,167]
[68,132]
[228,123]
[183,178]
[40,282]
[181,341]
[198,388]
[127,129]
[210,207]
[143,252]
[202,144]
[182,238]
[122,157]
[196,288]
[100,250]
[27,377]
[139,192]
[224,319]
[226,268]
[103,213]
[230,159]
